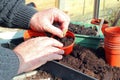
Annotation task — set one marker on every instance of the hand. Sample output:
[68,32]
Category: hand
[37,51]
[42,21]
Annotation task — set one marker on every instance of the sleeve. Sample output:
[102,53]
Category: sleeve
[9,64]
[14,13]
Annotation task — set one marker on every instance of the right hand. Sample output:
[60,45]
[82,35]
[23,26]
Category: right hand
[37,51]
[43,21]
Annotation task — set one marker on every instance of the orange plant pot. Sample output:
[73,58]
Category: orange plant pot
[112,45]
[30,33]
[68,49]
[97,22]
[112,56]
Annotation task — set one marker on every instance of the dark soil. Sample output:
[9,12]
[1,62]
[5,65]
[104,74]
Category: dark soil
[67,40]
[92,63]
[82,30]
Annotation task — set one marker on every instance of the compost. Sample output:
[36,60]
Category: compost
[91,62]
[82,30]
[67,40]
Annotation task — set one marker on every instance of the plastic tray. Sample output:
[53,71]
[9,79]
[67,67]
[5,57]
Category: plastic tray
[88,41]
[64,72]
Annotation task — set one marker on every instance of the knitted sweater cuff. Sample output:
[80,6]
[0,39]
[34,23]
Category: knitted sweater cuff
[23,15]
[9,64]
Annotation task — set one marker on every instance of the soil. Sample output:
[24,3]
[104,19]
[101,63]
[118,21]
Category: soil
[82,30]
[67,40]
[91,62]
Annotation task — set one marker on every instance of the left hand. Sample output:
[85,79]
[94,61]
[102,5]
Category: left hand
[42,21]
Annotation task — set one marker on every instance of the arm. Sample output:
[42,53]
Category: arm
[9,64]
[14,13]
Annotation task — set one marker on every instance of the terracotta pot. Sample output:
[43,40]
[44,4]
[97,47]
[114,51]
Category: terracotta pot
[68,49]
[112,45]
[29,34]
[97,22]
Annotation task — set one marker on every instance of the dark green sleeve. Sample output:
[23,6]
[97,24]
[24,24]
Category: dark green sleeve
[14,13]
[9,64]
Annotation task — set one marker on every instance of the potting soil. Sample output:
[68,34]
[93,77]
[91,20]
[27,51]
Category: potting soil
[92,63]
[82,30]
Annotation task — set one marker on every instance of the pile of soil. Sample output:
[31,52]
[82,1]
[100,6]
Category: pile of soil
[82,30]
[91,62]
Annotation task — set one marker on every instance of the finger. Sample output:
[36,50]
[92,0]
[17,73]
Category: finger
[55,57]
[55,53]
[64,19]
[54,30]
[64,27]
[53,42]
[40,38]
[57,50]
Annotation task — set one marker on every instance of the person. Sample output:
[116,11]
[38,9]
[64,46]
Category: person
[34,52]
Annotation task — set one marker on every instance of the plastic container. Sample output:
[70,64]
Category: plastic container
[29,34]
[68,49]
[112,45]
[64,72]
[86,40]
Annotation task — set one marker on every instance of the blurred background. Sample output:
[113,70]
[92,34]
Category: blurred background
[83,10]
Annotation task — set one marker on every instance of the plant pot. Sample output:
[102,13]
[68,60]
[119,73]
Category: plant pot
[30,34]
[98,21]
[69,47]
[112,45]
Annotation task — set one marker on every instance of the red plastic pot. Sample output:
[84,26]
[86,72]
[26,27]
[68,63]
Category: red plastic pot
[30,33]
[68,49]
[112,45]
[98,21]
